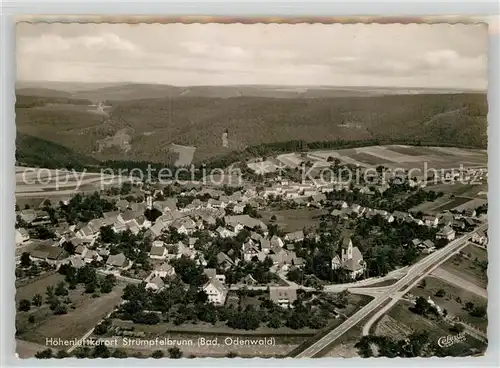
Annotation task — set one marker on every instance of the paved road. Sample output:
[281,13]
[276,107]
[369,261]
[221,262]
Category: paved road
[460,282]
[415,273]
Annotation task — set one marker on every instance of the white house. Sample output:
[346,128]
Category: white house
[21,235]
[446,232]
[164,270]
[158,252]
[216,291]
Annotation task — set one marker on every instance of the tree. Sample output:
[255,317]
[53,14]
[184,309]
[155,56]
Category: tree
[37,300]
[158,354]
[62,354]
[31,319]
[469,306]
[24,305]
[422,284]
[119,353]
[44,354]
[101,351]
[49,292]
[60,309]
[60,289]
[421,306]
[25,260]
[440,293]
[479,311]
[175,353]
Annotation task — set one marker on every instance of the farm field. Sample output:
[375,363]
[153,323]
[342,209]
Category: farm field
[465,267]
[453,301]
[86,313]
[294,220]
[453,203]
[463,190]
[406,157]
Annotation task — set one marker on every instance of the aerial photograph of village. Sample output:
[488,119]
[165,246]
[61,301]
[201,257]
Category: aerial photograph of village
[251,190]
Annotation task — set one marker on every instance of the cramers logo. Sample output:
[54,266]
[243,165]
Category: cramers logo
[447,341]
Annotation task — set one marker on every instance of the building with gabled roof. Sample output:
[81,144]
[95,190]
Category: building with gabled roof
[283,296]
[216,291]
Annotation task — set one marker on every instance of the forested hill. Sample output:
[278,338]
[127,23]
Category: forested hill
[155,123]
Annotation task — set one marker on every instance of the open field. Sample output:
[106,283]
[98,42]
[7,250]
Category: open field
[420,158]
[465,267]
[450,303]
[407,320]
[463,190]
[86,313]
[452,204]
[293,220]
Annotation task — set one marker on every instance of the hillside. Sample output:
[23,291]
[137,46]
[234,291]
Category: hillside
[153,124]
[36,152]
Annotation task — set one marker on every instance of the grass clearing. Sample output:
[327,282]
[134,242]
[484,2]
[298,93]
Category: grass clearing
[449,301]
[87,312]
[293,220]
[465,268]
[436,329]
[455,202]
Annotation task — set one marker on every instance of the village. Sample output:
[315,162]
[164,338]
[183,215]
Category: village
[221,231]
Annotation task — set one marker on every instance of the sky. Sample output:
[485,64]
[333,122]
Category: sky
[376,55]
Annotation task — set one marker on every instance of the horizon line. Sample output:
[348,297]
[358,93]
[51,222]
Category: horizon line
[261,85]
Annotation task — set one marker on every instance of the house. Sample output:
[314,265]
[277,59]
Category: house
[276,241]
[238,208]
[77,262]
[480,237]
[85,232]
[126,216]
[95,225]
[216,291]
[158,252]
[211,273]
[224,233]
[164,270]
[416,242]
[81,250]
[458,225]
[91,255]
[117,260]
[155,231]
[283,296]
[265,245]
[446,218]
[429,244]
[133,227]
[446,232]
[21,235]
[122,204]
[430,220]
[184,225]
[142,222]
[350,258]
[295,236]
[223,261]
[138,208]
[28,215]
[339,204]
[169,204]
[249,250]
[238,222]
[119,226]
[154,282]
[249,280]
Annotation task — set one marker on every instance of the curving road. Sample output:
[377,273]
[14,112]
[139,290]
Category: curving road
[415,273]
